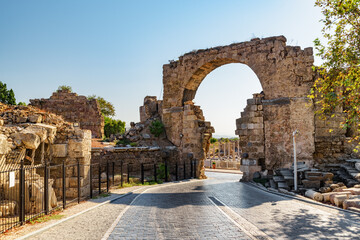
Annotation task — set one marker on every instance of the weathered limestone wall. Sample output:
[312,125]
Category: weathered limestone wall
[286,75]
[74,108]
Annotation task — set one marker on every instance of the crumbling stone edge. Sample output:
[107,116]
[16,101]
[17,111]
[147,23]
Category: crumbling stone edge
[298,197]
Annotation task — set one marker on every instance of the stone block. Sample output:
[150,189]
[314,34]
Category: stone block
[4,145]
[60,150]
[35,118]
[311,184]
[29,139]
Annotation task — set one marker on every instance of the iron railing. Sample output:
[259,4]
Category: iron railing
[30,191]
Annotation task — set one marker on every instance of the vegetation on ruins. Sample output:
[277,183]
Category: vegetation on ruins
[124,141]
[64,88]
[338,83]
[7,96]
[157,128]
[113,126]
[106,107]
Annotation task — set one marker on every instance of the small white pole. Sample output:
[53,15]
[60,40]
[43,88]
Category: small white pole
[295,164]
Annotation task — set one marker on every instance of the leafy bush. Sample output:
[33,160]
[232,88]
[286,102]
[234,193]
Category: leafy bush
[7,96]
[106,108]
[21,104]
[113,126]
[157,128]
[133,144]
[213,140]
[64,88]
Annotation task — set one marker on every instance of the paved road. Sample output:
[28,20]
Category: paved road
[217,208]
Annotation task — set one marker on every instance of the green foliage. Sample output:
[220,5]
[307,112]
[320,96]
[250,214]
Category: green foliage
[113,126]
[7,96]
[106,108]
[161,172]
[64,88]
[157,128]
[213,140]
[338,84]
[133,144]
[123,141]
[22,104]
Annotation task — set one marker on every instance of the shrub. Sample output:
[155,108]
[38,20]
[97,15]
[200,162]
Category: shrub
[133,144]
[113,126]
[213,140]
[157,128]
[64,88]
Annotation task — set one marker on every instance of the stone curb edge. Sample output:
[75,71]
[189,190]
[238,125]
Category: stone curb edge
[301,199]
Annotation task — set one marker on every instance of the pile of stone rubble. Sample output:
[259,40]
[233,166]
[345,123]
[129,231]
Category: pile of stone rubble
[340,186]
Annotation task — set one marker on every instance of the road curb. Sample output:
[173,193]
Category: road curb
[301,198]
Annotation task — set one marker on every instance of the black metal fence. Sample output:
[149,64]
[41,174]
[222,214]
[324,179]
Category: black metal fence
[27,192]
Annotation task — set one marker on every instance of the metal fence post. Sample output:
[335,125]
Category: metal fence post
[155,174]
[184,170]
[113,173]
[99,175]
[64,185]
[128,172]
[91,183]
[191,169]
[22,194]
[46,188]
[121,173]
[78,181]
[195,168]
[166,171]
[107,176]
[176,171]
[142,173]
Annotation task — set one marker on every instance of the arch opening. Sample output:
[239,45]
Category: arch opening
[223,95]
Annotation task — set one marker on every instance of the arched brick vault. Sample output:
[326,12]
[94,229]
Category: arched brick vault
[286,76]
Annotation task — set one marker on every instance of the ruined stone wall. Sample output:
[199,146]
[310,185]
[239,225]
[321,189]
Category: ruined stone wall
[136,156]
[151,108]
[37,138]
[74,108]
[286,75]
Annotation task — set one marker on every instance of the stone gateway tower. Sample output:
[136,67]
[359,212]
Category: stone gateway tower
[265,127]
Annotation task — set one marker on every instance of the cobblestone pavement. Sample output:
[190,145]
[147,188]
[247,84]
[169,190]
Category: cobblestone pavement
[217,208]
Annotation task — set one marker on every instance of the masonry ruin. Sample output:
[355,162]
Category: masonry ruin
[269,119]
[75,109]
[31,139]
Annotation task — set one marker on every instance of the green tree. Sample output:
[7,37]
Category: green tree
[107,108]
[213,140]
[65,88]
[338,84]
[7,96]
[113,126]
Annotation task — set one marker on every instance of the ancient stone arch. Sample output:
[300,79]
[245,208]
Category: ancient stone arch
[286,75]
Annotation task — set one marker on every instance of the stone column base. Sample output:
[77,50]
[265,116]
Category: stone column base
[248,171]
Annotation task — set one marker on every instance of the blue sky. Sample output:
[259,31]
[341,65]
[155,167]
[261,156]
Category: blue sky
[116,49]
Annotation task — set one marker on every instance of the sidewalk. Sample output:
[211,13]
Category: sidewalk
[68,212]
[219,170]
